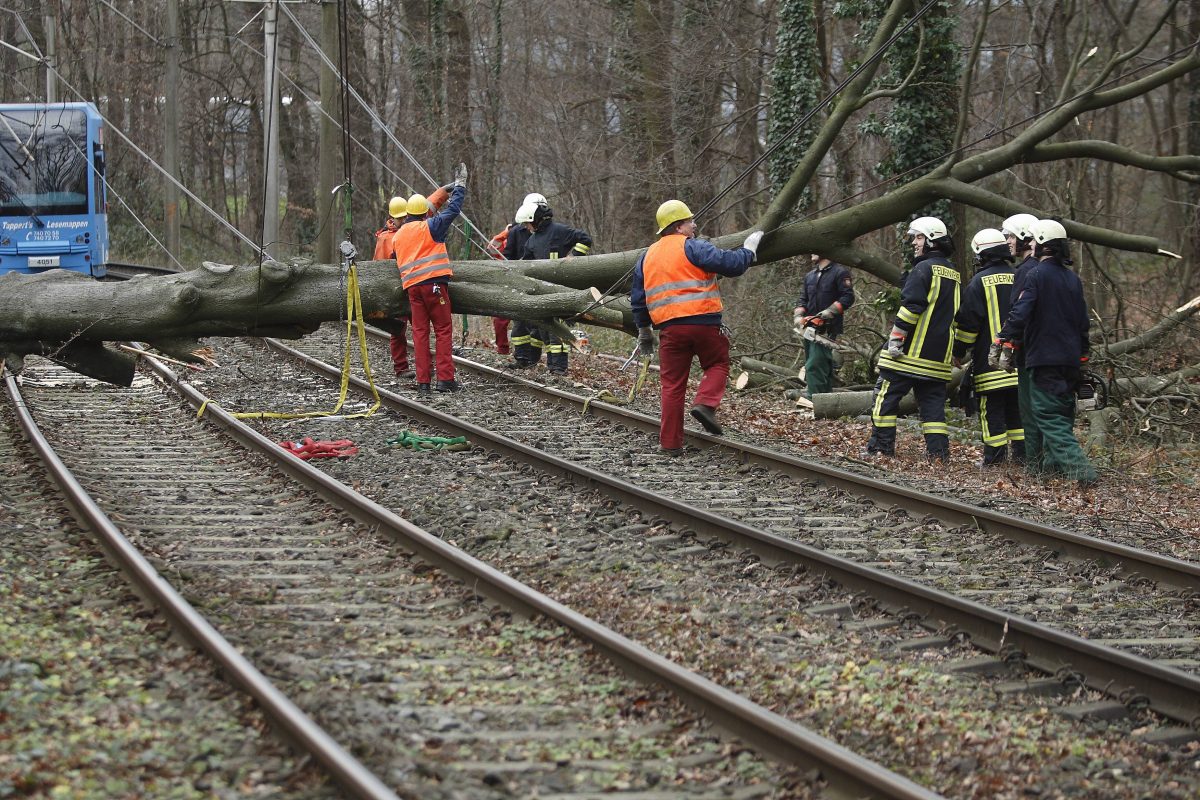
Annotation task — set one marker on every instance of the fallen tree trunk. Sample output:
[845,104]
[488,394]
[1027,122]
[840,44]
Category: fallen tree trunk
[67,317]
[832,405]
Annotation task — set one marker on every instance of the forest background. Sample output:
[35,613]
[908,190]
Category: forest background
[610,107]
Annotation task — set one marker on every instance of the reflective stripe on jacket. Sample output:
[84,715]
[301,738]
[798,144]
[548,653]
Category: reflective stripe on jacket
[418,256]
[928,304]
[675,287]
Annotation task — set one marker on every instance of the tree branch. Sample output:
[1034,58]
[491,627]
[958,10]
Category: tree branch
[1152,335]
[1001,206]
[895,91]
[1185,167]
[803,174]
[965,90]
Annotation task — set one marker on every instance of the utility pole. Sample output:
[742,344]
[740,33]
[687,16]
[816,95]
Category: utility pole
[330,223]
[271,134]
[50,21]
[171,133]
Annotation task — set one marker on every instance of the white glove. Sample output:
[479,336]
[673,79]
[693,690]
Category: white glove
[752,241]
[460,175]
[895,343]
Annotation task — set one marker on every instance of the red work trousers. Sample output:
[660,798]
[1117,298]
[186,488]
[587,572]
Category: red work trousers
[677,345]
[430,305]
[500,326]
[398,345]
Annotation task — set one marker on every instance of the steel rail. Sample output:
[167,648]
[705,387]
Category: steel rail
[1131,561]
[295,725]
[849,774]
[1169,691]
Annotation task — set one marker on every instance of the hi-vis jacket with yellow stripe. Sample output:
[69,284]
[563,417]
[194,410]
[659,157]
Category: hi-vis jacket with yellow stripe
[675,281]
[985,305]
[928,303]
[420,244]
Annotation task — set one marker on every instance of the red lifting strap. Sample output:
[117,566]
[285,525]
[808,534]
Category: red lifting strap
[307,448]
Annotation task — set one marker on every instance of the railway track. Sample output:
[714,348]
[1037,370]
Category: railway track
[436,690]
[965,573]
[1131,681]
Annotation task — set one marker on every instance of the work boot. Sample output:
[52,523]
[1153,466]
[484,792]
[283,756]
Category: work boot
[404,374]
[449,386]
[708,418]
[670,452]
[423,388]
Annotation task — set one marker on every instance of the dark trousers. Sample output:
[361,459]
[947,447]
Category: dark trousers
[677,346]
[526,342]
[556,353]
[1033,443]
[931,405]
[431,308]
[1000,419]
[500,328]
[1054,429]
[818,369]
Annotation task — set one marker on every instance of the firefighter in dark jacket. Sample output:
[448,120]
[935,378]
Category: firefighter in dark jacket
[1018,232]
[675,290]
[828,291]
[1050,320]
[985,305]
[550,239]
[918,351]
[509,245]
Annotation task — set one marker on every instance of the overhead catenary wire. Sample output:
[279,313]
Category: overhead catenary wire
[378,121]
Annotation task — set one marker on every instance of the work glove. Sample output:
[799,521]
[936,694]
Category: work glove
[895,343]
[460,175]
[799,318]
[645,342]
[449,187]
[752,241]
[828,314]
[1002,355]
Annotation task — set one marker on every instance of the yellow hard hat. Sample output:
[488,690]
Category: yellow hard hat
[396,207]
[418,205]
[671,211]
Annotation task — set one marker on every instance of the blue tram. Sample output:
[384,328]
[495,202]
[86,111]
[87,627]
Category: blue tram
[53,203]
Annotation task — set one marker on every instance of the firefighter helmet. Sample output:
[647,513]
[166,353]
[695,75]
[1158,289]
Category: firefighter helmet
[671,212]
[987,238]
[1018,225]
[396,207]
[929,227]
[1045,230]
[417,206]
[534,197]
[525,213]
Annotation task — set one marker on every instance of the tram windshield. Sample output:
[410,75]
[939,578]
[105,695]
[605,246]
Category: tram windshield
[43,162]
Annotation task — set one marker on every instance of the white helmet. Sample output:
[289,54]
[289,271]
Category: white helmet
[534,197]
[1019,225]
[986,239]
[929,227]
[1045,230]
[525,213]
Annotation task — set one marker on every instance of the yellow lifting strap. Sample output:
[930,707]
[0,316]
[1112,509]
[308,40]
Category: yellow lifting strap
[354,321]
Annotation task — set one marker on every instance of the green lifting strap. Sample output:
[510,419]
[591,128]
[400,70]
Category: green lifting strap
[415,441]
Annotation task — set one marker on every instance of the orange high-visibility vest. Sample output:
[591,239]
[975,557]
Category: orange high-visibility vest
[675,287]
[383,243]
[418,256]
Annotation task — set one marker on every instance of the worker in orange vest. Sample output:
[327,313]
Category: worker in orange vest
[675,290]
[396,325]
[424,263]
